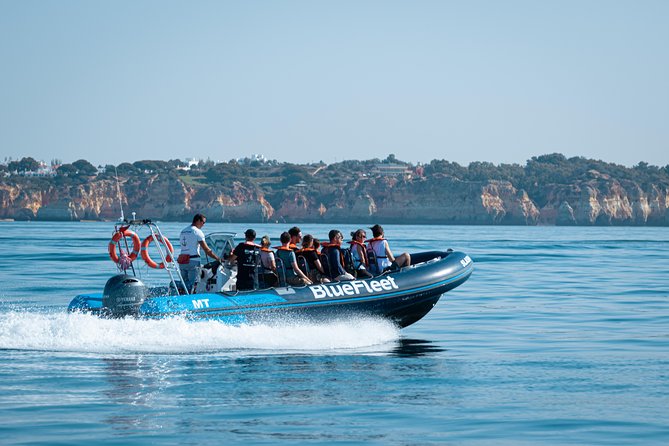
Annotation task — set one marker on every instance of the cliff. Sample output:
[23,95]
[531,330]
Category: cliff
[607,202]
[437,199]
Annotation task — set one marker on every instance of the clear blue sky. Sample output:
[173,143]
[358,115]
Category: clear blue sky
[304,81]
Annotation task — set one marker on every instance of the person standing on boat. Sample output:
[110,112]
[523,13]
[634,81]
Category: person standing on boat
[191,240]
[384,256]
[247,256]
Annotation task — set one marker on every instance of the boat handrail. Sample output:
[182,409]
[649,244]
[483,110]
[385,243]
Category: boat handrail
[170,266]
[156,235]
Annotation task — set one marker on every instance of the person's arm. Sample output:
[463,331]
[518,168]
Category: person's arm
[389,253]
[208,250]
[272,263]
[319,267]
[299,272]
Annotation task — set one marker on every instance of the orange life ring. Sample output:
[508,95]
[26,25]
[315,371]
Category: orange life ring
[118,235]
[145,251]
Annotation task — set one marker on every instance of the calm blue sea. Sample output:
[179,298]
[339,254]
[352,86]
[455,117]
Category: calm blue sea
[561,336]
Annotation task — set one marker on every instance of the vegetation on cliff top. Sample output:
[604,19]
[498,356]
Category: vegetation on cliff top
[272,175]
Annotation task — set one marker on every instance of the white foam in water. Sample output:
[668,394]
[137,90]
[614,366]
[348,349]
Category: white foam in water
[73,332]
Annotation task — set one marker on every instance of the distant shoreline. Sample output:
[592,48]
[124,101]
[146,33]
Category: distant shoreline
[549,190]
[334,224]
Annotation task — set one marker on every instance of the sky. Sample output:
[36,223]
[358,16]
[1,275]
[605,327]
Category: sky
[305,81]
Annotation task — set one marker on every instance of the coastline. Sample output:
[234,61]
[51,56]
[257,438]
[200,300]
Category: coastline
[345,222]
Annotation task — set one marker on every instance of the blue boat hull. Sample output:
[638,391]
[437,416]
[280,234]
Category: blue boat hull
[403,297]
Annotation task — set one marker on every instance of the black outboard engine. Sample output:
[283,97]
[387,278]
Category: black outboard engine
[123,295]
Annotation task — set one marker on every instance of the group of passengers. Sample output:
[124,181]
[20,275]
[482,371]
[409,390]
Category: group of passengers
[321,263]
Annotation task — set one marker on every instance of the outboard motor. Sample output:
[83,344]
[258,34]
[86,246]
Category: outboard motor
[123,295]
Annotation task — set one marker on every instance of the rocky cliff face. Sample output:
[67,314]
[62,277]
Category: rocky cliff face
[19,203]
[438,199]
[159,197]
[606,202]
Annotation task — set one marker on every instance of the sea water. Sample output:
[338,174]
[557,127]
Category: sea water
[560,336]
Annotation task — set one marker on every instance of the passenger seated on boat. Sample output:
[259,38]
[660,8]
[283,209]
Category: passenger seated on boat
[317,246]
[335,257]
[269,274]
[294,275]
[316,271]
[359,254]
[384,256]
[246,254]
[295,238]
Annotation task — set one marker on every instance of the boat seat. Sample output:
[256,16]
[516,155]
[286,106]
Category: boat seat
[304,266]
[281,270]
[325,263]
[373,263]
[348,261]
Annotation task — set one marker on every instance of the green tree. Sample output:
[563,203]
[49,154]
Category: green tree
[151,165]
[550,169]
[126,169]
[27,164]
[482,171]
[67,170]
[446,168]
[173,164]
[85,168]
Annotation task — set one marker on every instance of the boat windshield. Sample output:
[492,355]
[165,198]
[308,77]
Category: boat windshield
[222,243]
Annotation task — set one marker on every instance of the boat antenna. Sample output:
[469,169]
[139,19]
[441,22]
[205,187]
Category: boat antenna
[118,190]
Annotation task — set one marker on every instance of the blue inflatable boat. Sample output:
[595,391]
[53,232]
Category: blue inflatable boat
[403,296]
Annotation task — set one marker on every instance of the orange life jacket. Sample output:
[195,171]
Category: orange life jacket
[300,251]
[338,247]
[371,245]
[285,248]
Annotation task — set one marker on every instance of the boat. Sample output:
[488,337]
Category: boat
[402,296]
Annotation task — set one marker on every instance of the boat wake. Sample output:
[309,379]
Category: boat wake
[76,332]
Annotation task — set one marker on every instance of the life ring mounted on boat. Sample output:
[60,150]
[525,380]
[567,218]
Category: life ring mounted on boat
[118,235]
[145,251]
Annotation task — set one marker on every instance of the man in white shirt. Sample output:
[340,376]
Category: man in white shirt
[192,239]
